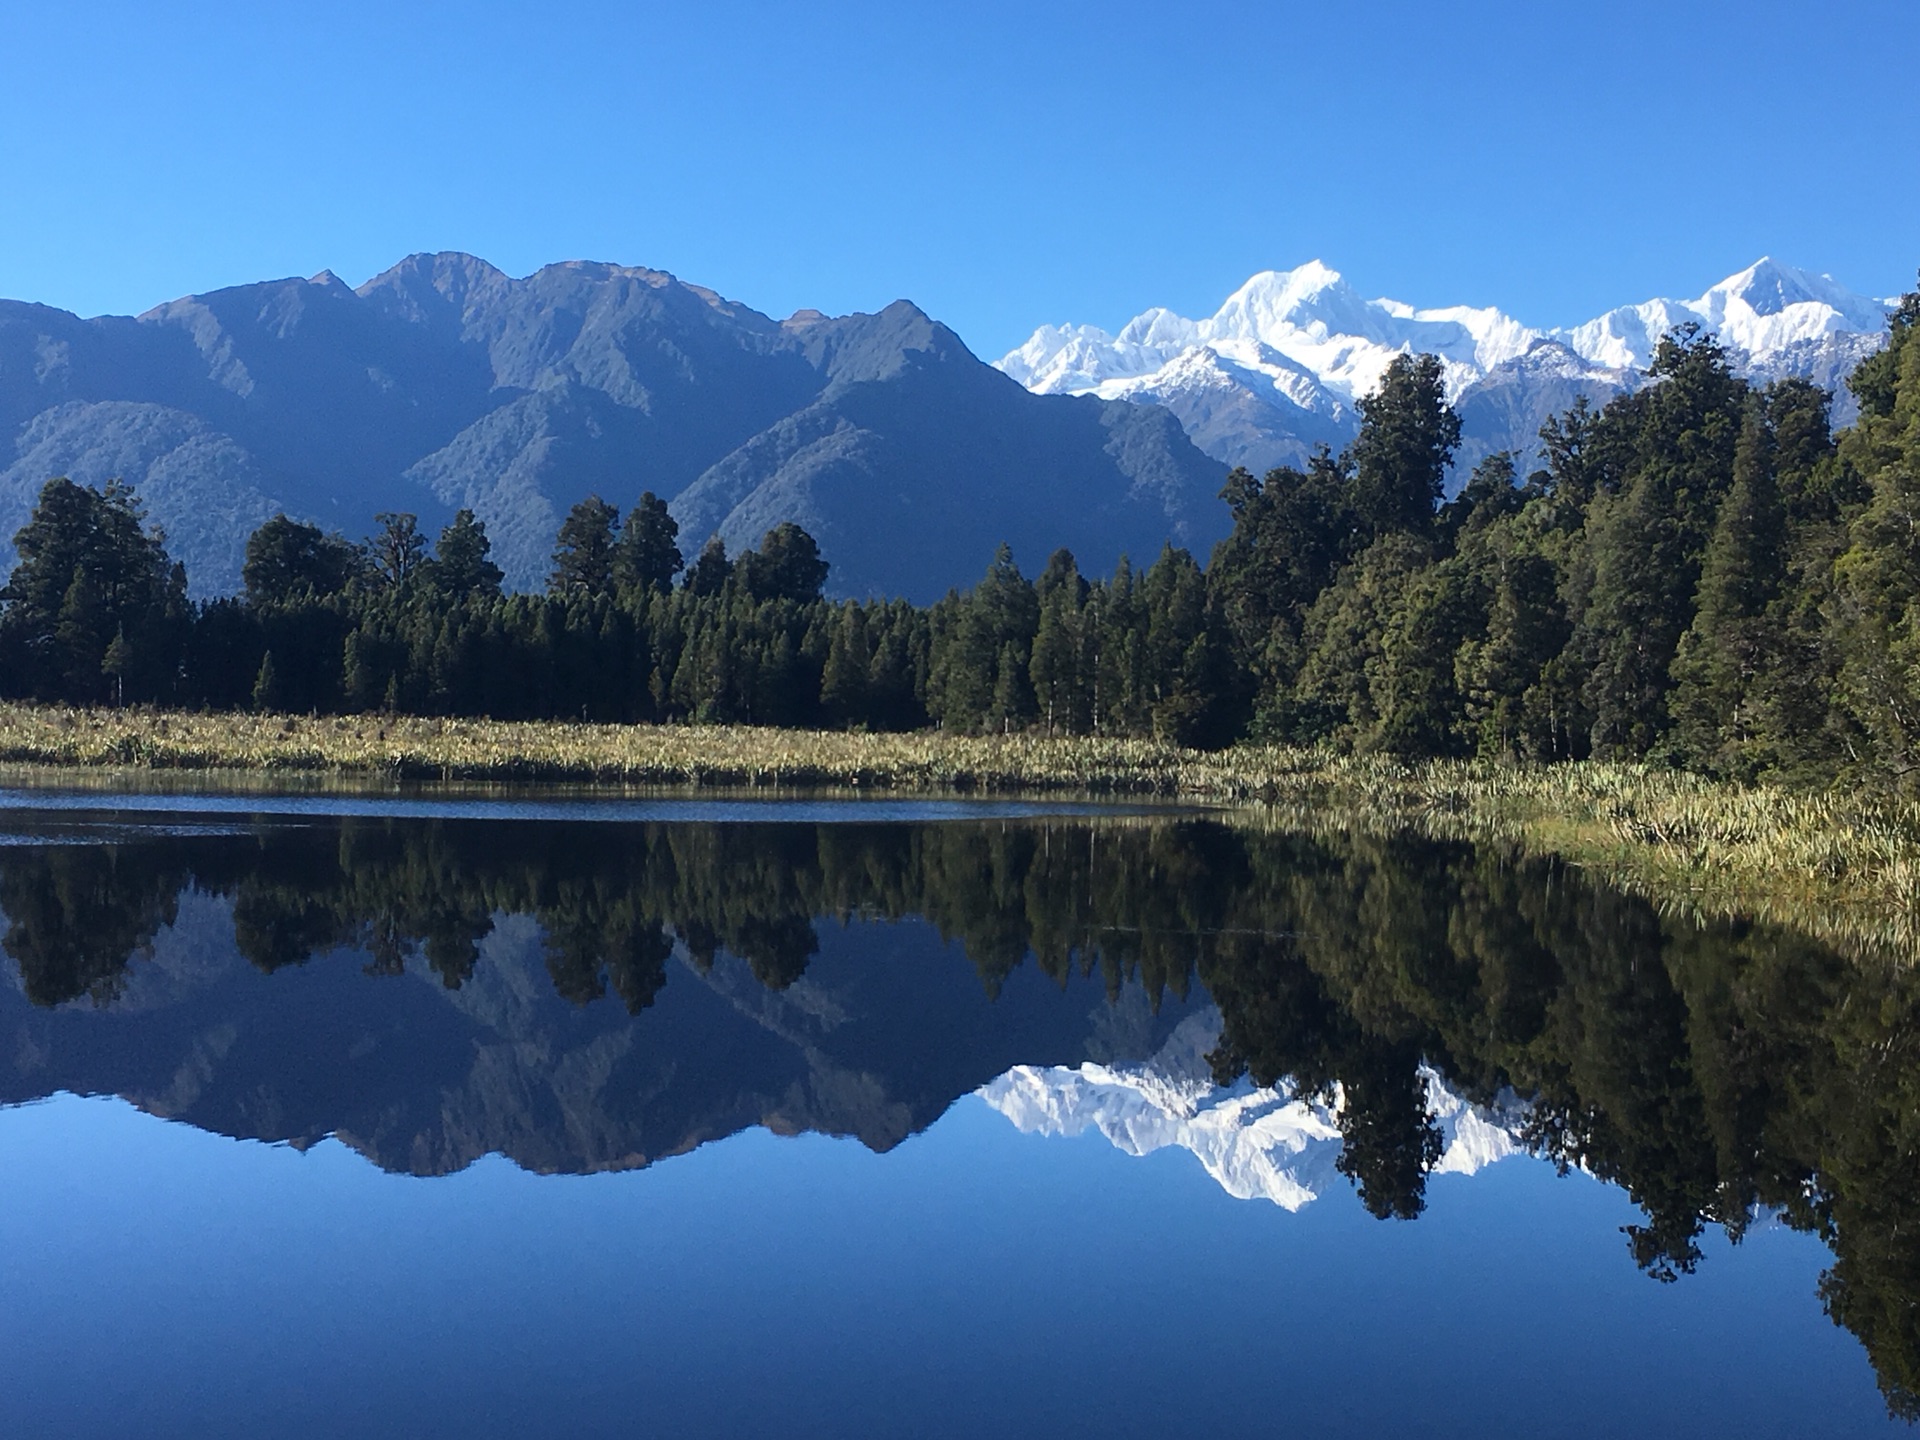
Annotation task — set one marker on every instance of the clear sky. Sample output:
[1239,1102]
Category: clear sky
[1002,162]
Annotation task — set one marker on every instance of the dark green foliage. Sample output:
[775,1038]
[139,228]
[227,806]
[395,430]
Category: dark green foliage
[1408,434]
[116,663]
[1700,573]
[92,579]
[787,566]
[266,685]
[711,571]
[1511,670]
[1713,1071]
[583,554]
[1876,601]
[1572,473]
[288,561]
[1059,667]
[398,550]
[1292,533]
[1645,535]
[1342,678]
[1734,647]
[460,568]
[1488,495]
[648,555]
[1876,381]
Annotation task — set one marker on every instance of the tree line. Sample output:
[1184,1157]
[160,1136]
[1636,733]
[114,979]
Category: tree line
[1701,572]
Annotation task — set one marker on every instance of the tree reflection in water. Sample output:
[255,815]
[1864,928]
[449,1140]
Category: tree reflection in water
[1713,1070]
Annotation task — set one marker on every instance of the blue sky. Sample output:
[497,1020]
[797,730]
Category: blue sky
[1002,164]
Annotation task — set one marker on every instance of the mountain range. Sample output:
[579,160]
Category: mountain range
[1278,368]
[889,1026]
[445,383]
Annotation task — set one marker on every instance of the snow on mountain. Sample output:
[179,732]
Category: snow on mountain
[1763,313]
[1290,324]
[1277,369]
[1256,1143]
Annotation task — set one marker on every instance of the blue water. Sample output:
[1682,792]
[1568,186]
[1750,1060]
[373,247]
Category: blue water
[159,1281]
[608,807]
[753,1189]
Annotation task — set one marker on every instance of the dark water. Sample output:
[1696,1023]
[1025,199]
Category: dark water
[487,1119]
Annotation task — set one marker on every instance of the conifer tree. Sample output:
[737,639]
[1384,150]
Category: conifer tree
[89,568]
[1732,645]
[844,681]
[583,553]
[266,685]
[398,549]
[117,662]
[360,678]
[1297,528]
[1515,692]
[1415,683]
[709,574]
[895,700]
[1877,593]
[1644,541]
[1336,696]
[1054,669]
[462,567]
[1488,495]
[1058,644]
[1408,434]
[287,560]
[1572,472]
[787,566]
[648,556]
[80,633]
[1012,705]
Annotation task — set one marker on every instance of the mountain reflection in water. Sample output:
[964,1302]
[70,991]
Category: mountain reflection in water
[1297,1011]
[1257,1141]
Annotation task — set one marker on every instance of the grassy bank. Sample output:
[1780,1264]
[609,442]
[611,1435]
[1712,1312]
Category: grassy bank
[1843,866]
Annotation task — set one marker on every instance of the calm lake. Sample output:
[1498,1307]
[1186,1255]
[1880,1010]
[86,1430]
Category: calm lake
[443,1117]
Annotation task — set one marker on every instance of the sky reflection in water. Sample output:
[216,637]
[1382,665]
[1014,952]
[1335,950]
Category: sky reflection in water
[951,1276]
[975,1281]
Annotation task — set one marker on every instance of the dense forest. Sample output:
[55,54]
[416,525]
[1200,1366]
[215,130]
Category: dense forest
[1716,1071]
[1702,573]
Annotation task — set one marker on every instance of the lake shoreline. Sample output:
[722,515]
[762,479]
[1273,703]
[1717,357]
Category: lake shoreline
[1844,866]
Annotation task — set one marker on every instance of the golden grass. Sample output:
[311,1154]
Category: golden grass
[1845,867]
[406,748]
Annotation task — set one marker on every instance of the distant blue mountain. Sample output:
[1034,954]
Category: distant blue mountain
[445,383]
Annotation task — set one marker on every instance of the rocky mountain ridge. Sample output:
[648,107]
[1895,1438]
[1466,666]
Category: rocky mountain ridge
[1278,368]
[444,382]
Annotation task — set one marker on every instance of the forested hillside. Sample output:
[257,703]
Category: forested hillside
[1702,573]
[444,384]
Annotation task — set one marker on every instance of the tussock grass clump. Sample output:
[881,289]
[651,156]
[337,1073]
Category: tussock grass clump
[1844,866]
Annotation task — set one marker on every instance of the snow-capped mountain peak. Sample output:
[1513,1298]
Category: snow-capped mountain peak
[1761,313]
[1767,287]
[1276,303]
[1280,366]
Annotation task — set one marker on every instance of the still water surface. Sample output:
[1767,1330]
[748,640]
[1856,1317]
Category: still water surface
[683,1119]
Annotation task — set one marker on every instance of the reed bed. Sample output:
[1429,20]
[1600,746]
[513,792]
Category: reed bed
[1844,866]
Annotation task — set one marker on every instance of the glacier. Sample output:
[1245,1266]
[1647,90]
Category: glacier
[1256,1143]
[1279,368]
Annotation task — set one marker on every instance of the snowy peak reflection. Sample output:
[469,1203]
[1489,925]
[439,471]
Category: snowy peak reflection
[1257,1142]
[582,997]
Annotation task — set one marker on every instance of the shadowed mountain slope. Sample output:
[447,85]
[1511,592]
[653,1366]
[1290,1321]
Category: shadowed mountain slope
[444,383]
